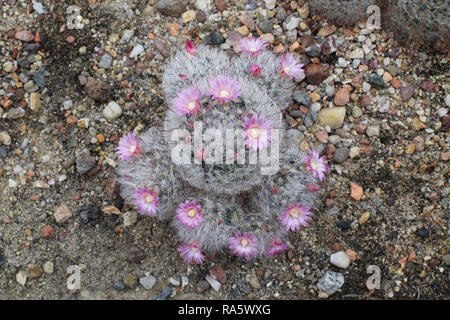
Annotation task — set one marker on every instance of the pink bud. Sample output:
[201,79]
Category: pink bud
[256,70]
[190,48]
[200,154]
[182,76]
[312,187]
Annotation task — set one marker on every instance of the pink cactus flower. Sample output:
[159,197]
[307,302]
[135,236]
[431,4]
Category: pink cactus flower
[276,247]
[187,101]
[295,216]
[257,133]
[128,147]
[147,201]
[316,165]
[189,214]
[255,70]
[192,252]
[224,89]
[244,245]
[290,67]
[252,46]
[190,48]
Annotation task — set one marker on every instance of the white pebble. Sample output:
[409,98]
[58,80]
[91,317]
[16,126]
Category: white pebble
[340,259]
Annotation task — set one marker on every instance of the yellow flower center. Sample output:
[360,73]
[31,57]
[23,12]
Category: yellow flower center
[192,213]
[244,242]
[224,93]
[253,49]
[191,105]
[314,165]
[133,147]
[294,212]
[255,132]
[287,70]
[149,199]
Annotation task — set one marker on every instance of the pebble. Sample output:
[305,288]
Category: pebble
[302,97]
[213,282]
[119,285]
[358,53]
[137,50]
[447,100]
[356,112]
[8,66]
[39,79]
[340,259]
[164,294]
[105,61]
[62,214]
[112,111]
[377,81]
[373,131]
[49,267]
[172,8]
[174,282]
[5,138]
[189,16]
[84,161]
[161,46]
[341,154]
[364,217]
[293,23]
[214,38]
[25,36]
[35,101]
[97,90]
[254,282]
[34,271]
[130,281]
[333,117]
[30,86]
[342,96]
[406,93]
[21,278]
[356,192]
[147,282]
[330,282]
[265,26]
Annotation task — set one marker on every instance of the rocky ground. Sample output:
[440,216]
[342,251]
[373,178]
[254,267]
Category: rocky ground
[379,112]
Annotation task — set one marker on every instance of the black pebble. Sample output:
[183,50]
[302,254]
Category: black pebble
[424,232]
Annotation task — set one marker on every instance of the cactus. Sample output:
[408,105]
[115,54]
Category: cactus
[341,12]
[235,204]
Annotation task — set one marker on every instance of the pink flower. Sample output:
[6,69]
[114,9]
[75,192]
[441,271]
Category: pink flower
[316,165]
[290,66]
[252,46]
[190,48]
[276,247]
[128,147]
[187,101]
[295,216]
[146,201]
[192,252]
[224,89]
[257,133]
[255,70]
[189,214]
[244,245]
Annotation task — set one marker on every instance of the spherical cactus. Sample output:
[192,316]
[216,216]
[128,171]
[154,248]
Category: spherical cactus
[342,12]
[223,168]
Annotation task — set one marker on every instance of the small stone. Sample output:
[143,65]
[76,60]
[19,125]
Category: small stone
[340,259]
[112,111]
[7,66]
[265,26]
[410,149]
[373,131]
[364,217]
[131,281]
[48,232]
[377,81]
[189,16]
[254,282]
[322,136]
[247,20]
[364,102]
[162,48]
[174,282]
[147,282]
[334,139]
[172,8]
[203,286]
[213,282]
[358,53]
[97,90]
[356,192]
[35,101]
[214,38]
[5,138]
[25,36]
[447,100]
[316,73]
[39,79]
[330,282]
[341,155]
[137,50]
[342,97]
[243,30]
[326,31]
[105,61]
[333,117]
[134,254]
[49,267]
[268,38]
[356,112]
[85,162]
[83,123]
[119,285]
[34,271]
[62,214]
[21,278]
[302,97]
[218,273]
[293,23]
[406,93]
[419,143]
